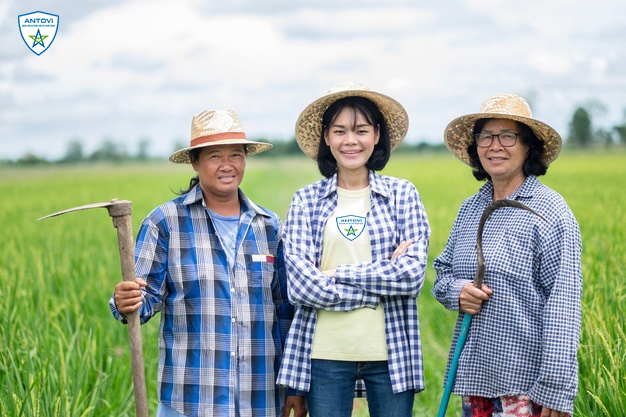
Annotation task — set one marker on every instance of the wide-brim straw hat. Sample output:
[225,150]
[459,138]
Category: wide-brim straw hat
[459,132]
[217,127]
[309,123]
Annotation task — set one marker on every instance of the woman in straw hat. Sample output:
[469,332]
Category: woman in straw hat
[520,354]
[211,261]
[355,250]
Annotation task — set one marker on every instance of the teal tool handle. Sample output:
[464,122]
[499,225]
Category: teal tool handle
[467,320]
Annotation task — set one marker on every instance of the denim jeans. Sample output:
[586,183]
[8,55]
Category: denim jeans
[332,389]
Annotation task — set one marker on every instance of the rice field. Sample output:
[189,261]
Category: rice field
[62,353]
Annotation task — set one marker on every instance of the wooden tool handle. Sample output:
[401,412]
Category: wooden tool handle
[127,248]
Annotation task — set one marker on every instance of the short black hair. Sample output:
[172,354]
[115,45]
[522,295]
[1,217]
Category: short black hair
[326,162]
[533,164]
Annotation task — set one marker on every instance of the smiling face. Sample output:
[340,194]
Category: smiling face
[351,141]
[220,169]
[503,163]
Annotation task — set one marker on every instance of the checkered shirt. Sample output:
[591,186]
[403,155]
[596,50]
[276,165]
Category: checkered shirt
[220,327]
[396,215]
[525,337]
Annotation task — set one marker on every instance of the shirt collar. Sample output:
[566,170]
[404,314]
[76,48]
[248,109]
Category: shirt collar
[526,190]
[196,196]
[329,185]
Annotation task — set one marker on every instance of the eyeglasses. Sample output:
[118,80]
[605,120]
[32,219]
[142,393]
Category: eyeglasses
[506,139]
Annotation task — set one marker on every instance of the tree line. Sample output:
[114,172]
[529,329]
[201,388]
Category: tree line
[582,133]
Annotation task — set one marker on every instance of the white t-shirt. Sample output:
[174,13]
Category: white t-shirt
[357,335]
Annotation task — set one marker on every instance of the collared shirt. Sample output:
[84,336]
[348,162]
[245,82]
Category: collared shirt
[221,327]
[525,338]
[396,215]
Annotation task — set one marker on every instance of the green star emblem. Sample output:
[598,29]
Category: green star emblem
[38,38]
[351,231]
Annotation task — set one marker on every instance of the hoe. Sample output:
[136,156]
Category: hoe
[120,211]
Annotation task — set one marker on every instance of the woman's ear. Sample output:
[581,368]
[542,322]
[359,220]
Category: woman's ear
[325,135]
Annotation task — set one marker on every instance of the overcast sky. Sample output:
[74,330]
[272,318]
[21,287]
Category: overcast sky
[129,70]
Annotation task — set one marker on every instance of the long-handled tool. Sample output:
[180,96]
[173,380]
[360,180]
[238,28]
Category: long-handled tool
[478,282]
[120,212]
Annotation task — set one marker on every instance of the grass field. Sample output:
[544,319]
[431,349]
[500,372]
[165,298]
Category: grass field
[62,353]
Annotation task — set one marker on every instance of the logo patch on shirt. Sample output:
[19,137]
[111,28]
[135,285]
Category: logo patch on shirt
[351,227]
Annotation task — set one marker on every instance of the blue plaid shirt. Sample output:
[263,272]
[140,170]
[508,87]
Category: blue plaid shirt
[396,215]
[221,328]
[525,337]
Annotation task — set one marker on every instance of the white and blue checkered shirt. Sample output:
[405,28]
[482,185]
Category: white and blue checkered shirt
[396,215]
[222,327]
[525,338]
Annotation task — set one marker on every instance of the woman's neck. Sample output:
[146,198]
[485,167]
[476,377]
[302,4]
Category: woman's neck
[504,187]
[353,180]
[224,205]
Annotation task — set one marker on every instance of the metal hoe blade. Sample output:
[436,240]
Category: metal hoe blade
[85,207]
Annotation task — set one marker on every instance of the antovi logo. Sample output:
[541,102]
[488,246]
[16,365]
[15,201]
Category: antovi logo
[38,30]
[351,227]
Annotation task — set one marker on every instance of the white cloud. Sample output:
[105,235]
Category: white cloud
[133,70]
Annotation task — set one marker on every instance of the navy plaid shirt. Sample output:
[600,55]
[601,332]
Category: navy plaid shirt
[396,215]
[525,338]
[220,328]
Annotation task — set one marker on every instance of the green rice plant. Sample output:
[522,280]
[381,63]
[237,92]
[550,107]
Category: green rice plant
[62,353]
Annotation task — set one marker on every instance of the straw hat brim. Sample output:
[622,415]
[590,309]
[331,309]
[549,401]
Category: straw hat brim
[309,123]
[252,148]
[458,135]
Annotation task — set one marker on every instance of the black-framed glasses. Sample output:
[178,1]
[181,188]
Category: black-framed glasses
[506,139]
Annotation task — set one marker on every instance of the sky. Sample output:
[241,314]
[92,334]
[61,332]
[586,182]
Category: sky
[138,69]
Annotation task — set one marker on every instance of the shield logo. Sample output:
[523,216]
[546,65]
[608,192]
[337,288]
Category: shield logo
[38,30]
[351,227]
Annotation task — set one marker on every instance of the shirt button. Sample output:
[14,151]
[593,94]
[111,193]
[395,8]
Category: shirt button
[232,353]
[233,320]
[232,290]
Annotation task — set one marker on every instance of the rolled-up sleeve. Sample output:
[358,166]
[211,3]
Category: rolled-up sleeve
[150,265]
[306,284]
[405,275]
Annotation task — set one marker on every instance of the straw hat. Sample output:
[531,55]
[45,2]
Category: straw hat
[217,127]
[458,133]
[309,124]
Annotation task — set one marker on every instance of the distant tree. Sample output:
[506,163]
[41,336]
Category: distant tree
[31,159]
[604,137]
[621,130]
[142,150]
[109,151]
[74,152]
[580,128]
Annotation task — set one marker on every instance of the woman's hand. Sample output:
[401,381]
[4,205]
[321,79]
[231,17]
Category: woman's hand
[471,298]
[128,296]
[547,412]
[401,249]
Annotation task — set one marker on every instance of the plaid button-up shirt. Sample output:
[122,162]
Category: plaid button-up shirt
[222,329]
[525,337]
[396,215]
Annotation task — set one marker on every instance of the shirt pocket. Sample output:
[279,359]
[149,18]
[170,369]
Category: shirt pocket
[512,257]
[261,274]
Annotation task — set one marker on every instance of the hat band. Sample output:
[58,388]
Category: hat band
[216,137]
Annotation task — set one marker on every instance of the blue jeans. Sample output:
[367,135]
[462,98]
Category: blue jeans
[332,389]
